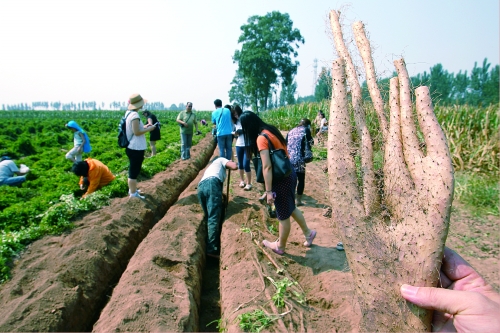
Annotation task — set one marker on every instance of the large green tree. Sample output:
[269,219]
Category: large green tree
[265,60]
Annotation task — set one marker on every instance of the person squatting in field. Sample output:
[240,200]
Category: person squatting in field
[221,118]
[93,175]
[81,142]
[298,143]
[187,121]
[243,160]
[138,145]
[282,193]
[155,134]
[10,174]
[210,197]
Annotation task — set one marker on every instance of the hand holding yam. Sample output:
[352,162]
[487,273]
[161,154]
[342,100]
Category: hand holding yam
[393,228]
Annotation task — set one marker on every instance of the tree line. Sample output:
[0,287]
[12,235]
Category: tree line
[265,77]
[90,106]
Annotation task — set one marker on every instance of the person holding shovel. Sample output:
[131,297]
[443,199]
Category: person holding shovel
[210,196]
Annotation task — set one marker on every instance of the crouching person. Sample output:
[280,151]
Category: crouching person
[93,175]
[210,196]
[10,174]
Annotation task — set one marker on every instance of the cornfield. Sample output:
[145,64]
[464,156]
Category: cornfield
[472,132]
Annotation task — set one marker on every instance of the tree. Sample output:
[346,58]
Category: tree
[323,88]
[287,94]
[264,61]
[237,93]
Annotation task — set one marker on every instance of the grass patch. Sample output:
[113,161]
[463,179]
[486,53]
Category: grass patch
[478,192]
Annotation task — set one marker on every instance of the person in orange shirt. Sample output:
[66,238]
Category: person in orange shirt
[93,174]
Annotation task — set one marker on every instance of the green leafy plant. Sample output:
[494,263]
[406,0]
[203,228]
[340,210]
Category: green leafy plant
[281,290]
[254,321]
[220,325]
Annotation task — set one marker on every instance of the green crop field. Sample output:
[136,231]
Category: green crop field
[49,199]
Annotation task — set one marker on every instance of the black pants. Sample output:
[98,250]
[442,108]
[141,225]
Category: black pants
[301,177]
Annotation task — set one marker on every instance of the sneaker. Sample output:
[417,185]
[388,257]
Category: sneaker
[309,240]
[137,195]
[248,187]
[242,184]
[273,246]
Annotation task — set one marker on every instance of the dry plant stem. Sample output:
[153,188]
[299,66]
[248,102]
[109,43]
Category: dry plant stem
[368,175]
[371,78]
[404,246]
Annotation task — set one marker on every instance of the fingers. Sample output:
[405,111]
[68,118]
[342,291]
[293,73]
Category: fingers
[397,181]
[435,139]
[472,311]
[408,129]
[444,300]
[456,268]
[342,180]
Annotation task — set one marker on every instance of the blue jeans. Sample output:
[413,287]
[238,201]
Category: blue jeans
[243,161]
[186,142]
[210,196]
[13,181]
[225,144]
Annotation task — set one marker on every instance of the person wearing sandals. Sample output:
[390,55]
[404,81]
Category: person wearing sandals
[138,145]
[243,160]
[297,142]
[210,197]
[282,193]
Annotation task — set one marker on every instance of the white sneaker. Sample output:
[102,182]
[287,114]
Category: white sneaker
[242,184]
[137,195]
[248,187]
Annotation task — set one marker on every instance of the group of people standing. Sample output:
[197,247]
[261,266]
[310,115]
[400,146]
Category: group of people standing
[231,122]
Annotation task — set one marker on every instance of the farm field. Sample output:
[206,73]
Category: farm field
[130,278]
[49,199]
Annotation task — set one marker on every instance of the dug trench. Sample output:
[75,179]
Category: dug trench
[138,265]
[141,266]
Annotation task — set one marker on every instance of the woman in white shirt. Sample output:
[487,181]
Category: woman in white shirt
[138,145]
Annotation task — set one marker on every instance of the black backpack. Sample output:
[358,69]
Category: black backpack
[123,141]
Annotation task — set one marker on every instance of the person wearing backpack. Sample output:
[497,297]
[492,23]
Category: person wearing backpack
[137,146]
[298,142]
[281,192]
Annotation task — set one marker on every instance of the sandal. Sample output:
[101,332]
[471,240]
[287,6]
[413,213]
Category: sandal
[273,246]
[309,240]
[340,246]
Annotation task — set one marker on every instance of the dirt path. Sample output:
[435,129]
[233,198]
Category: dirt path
[138,265]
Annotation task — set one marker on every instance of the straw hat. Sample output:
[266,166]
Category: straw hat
[136,102]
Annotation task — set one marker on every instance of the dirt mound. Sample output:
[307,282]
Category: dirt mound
[137,265]
[62,282]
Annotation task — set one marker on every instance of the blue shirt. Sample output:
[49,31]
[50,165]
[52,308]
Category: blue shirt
[225,126]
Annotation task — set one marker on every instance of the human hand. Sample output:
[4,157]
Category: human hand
[270,196]
[465,302]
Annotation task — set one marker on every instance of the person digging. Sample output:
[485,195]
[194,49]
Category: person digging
[210,190]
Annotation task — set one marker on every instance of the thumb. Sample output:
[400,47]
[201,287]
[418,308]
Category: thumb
[444,300]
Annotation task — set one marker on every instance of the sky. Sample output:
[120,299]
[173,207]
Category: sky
[179,51]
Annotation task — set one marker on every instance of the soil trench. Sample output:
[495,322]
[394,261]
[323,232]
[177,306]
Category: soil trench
[61,283]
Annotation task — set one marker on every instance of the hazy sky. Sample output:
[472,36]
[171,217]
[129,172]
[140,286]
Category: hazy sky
[179,51]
